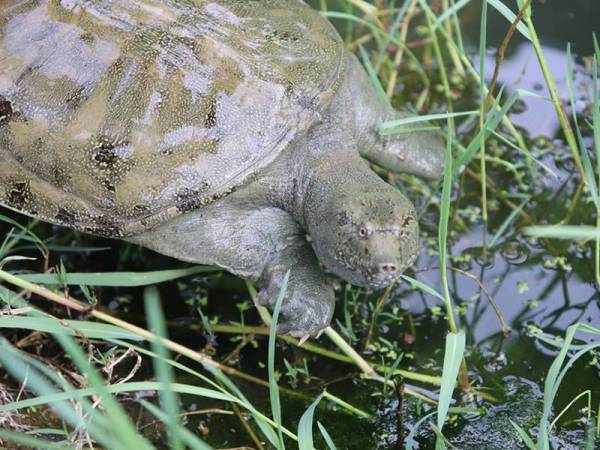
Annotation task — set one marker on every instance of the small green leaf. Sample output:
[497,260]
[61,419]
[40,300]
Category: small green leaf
[305,434]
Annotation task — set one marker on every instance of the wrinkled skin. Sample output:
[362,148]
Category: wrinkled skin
[214,132]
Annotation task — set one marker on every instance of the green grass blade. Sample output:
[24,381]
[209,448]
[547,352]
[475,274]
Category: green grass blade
[449,12]
[116,279]
[523,435]
[422,286]
[391,32]
[574,232]
[373,77]
[173,363]
[529,155]
[121,426]
[411,119]
[168,399]
[482,49]
[591,434]
[527,12]
[273,388]
[443,226]
[482,110]
[458,31]
[397,131]
[92,330]
[134,386]
[441,442]
[410,438]
[587,165]
[31,442]
[305,433]
[262,424]
[24,369]
[581,352]
[445,204]
[492,121]
[455,348]
[352,18]
[596,128]
[236,397]
[326,436]
[190,439]
[555,376]
[23,229]
[596,105]
[511,217]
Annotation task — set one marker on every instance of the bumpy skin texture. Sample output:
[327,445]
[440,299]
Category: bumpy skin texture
[214,132]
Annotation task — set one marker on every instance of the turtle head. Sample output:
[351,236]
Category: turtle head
[369,238]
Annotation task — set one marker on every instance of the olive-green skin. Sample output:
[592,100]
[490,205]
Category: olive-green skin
[217,132]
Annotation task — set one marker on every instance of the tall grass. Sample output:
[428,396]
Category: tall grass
[110,425]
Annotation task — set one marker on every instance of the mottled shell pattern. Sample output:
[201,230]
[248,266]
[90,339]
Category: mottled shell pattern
[117,115]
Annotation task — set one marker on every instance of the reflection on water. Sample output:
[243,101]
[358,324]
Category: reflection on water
[521,70]
[558,23]
[529,286]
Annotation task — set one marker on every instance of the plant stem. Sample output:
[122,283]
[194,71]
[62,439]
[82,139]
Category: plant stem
[451,49]
[598,254]
[562,117]
[346,405]
[482,112]
[245,423]
[364,365]
[400,51]
[375,315]
[440,58]
[317,349]
[71,303]
[476,76]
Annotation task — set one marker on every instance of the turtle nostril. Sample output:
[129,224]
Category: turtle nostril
[389,268]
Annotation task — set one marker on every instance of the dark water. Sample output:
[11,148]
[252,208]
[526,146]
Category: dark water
[545,285]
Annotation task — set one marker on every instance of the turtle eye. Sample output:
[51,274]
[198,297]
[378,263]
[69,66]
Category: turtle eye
[363,232]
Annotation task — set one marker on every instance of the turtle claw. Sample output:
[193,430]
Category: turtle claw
[303,340]
[306,308]
[262,298]
[305,317]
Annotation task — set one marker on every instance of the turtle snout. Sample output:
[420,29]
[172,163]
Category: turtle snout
[391,256]
[385,270]
[388,268]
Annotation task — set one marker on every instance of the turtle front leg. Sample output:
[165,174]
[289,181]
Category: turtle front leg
[309,299]
[418,152]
